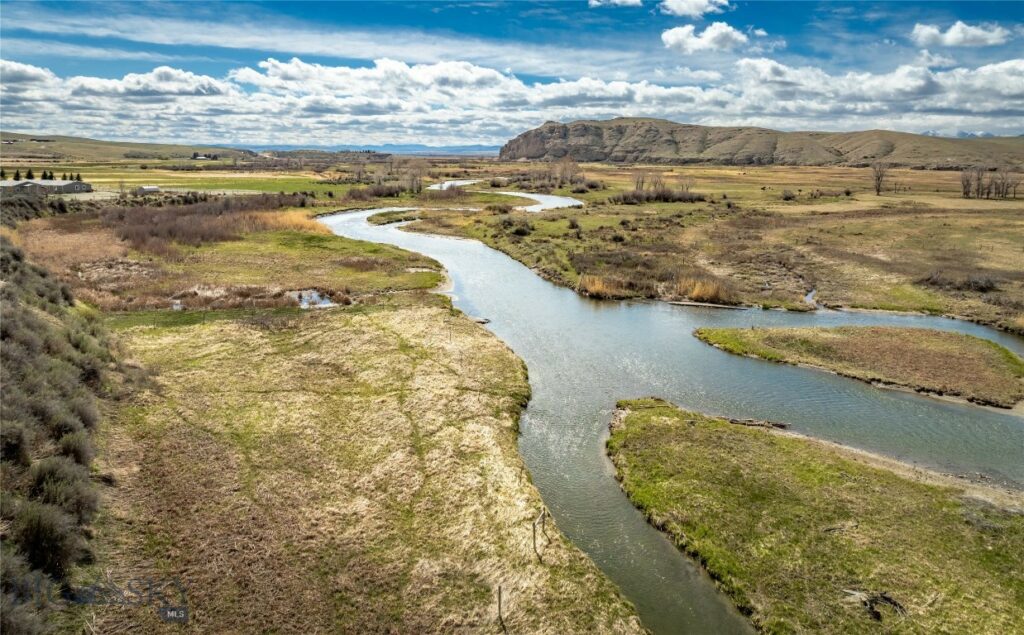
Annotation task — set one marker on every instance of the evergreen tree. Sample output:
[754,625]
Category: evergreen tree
[29,175]
[17,175]
[3,174]
[78,177]
[64,176]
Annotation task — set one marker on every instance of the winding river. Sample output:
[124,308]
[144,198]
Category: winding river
[583,355]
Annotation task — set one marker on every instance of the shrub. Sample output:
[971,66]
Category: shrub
[47,536]
[705,288]
[447,194]
[580,189]
[199,220]
[499,208]
[375,191]
[972,282]
[788,195]
[59,481]
[77,446]
[656,195]
[574,224]
[20,602]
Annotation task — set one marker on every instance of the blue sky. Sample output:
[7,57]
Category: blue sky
[480,72]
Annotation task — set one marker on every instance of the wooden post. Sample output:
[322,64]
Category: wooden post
[501,618]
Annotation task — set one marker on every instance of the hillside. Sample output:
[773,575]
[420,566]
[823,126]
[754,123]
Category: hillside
[630,140]
[44,146]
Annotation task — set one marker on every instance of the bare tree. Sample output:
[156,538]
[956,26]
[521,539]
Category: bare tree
[966,183]
[568,169]
[639,180]
[979,181]
[878,173]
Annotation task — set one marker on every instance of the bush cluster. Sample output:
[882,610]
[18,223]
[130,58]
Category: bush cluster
[52,362]
[655,195]
[157,229]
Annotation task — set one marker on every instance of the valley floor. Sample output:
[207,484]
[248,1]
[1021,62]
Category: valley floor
[346,470]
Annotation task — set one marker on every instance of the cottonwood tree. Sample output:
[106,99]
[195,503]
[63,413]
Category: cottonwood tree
[966,183]
[878,172]
[568,169]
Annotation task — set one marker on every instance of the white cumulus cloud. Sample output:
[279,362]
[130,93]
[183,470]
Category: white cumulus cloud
[960,34]
[615,3]
[719,36]
[692,8]
[457,102]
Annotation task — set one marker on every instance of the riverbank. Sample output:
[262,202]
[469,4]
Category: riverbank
[357,471]
[923,360]
[806,536]
[345,469]
[877,254]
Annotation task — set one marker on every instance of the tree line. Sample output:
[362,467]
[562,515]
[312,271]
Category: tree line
[46,176]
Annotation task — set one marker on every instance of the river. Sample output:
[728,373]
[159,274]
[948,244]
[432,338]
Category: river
[583,355]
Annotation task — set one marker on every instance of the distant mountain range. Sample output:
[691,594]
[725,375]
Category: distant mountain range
[388,148]
[633,140]
[961,134]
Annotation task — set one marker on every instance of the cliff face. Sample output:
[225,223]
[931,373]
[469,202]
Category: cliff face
[659,141]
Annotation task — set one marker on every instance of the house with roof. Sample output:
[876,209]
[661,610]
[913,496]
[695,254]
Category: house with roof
[44,186]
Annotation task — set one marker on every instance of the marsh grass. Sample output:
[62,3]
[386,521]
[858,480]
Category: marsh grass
[379,490]
[927,360]
[798,533]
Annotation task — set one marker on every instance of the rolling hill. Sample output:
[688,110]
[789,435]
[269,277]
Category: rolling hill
[56,147]
[630,140]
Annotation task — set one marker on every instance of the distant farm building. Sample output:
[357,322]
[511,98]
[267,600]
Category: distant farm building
[44,186]
[142,190]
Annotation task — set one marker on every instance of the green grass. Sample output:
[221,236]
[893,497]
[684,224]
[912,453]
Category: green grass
[791,528]
[922,359]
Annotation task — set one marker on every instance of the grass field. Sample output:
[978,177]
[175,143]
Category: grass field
[343,470]
[352,469]
[809,537]
[920,249]
[925,360]
[257,269]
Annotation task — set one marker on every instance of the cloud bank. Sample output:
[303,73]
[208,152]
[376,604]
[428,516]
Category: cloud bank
[296,101]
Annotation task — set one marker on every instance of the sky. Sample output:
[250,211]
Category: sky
[459,73]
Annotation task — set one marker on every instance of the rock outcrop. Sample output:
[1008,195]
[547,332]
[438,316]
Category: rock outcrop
[628,140]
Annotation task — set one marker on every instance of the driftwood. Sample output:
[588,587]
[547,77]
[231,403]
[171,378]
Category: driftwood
[759,423]
[871,602]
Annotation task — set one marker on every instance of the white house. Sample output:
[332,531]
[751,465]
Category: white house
[142,190]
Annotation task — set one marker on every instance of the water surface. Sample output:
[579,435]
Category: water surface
[583,355]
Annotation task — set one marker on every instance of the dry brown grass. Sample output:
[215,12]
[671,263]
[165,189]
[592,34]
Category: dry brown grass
[275,251]
[706,289]
[601,286]
[346,471]
[938,362]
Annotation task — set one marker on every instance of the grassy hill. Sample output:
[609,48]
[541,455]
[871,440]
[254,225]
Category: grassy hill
[44,146]
[635,140]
